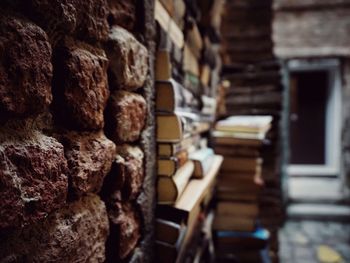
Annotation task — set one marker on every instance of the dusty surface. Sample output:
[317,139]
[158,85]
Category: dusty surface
[25,68]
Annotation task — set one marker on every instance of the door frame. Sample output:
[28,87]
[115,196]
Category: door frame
[332,166]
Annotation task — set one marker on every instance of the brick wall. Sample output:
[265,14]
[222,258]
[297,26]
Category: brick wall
[76,133]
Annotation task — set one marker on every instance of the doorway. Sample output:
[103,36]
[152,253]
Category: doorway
[314,130]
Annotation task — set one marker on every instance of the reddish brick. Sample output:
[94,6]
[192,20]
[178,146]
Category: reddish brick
[80,86]
[90,157]
[32,177]
[126,114]
[127,174]
[125,230]
[76,233]
[122,13]
[128,60]
[25,68]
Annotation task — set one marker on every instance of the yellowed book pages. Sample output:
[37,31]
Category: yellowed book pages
[169,128]
[163,65]
[168,24]
[190,63]
[170,188]
[197,189]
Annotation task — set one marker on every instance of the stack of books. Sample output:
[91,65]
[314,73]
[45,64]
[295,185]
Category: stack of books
[239,139]
[186,79]
[254,87]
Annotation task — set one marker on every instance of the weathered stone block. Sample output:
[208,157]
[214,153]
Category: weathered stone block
[125,231]
[126,115]
[122,13]
[86,19]
[25,68]
[128,60]
[312,37]
[76,233]
[126,177]
[90,157]
[80,86]
[32,177]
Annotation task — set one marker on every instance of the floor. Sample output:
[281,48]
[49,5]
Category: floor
[307,241]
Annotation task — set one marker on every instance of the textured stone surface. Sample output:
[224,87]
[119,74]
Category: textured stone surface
[311,35]
[126,115]
[86,19]
[80,86]
[76,233]
[302,241]
[25,68]
[300,4]
[89,157]
[122,13]
[125,230]
[146,200]
[32,177]
[128,60]
[126,177]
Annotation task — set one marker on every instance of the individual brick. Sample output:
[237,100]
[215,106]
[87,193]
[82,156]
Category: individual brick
[85,19]
[90,157]
[32,177]
[127,174]
[128,60]
[125,231]
[80,86]
[122,13]
[76,233]
[25,68]
[126,115]
[93,19]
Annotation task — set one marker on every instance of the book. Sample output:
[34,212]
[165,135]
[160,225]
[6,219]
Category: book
[170,149]
[193,38]
[190,62]
[234,223]
[169,232]
[237,209]
[170,127]
[242,179]
[163,68]
[171,165]
[202,161]
[238,151]
[176,9]
[205,73]
[260,136]
[168,24]
[228,195]
[226,140]
[241,164]
[166,252]
[189,206]
[253,240]
[172,96]
[245,124]
[169,188]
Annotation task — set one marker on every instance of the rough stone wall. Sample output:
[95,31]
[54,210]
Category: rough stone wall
[76,130]
[312,28]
